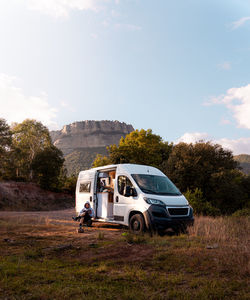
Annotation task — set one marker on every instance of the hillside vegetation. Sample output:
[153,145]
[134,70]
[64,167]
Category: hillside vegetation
[244,160]
[26,196]
[82,159]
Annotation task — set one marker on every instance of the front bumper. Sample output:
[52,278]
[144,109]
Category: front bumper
[158,218]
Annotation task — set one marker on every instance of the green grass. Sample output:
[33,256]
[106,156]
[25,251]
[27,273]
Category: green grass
[98,265]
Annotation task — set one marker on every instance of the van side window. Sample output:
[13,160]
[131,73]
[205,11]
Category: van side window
[123,182]
[85,187]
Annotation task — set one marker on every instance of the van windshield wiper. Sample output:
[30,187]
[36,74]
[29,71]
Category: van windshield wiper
[158,193]
[170,194]
[148,191]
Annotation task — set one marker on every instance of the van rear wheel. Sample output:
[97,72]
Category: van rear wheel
[137,224]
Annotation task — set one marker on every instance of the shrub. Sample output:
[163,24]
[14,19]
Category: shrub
[245,212]
[69,184]
[199,203]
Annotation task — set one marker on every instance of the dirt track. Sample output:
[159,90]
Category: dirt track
[58,217]
[57,229]
[65,214]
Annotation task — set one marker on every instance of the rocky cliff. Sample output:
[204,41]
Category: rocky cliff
[82,141]
[89,134]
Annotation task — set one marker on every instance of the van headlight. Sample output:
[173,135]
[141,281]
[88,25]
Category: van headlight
[153,201]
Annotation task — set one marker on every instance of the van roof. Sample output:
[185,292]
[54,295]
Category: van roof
[129,168]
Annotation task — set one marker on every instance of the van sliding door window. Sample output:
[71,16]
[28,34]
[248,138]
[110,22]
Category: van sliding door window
[123,182]
[85,187]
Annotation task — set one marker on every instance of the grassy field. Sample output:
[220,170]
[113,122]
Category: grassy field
[43,257]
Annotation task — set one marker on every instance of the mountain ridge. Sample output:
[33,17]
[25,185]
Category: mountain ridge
[81,141]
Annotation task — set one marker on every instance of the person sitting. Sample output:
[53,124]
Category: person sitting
[85,216]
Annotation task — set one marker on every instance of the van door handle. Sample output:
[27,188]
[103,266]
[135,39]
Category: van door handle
[116,199]
[90,198]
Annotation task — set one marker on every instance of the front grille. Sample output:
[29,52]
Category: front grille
[159,214]
[180,211]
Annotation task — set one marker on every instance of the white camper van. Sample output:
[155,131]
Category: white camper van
[138,196]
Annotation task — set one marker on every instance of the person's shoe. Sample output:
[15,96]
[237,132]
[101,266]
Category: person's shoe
[74,218]
[80,230]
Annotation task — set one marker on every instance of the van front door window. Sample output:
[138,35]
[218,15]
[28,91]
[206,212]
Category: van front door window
[123,184]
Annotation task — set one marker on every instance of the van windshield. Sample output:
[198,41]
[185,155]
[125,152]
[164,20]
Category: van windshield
[159,185]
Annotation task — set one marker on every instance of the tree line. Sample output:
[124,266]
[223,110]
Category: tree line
[206,173]
[28,154]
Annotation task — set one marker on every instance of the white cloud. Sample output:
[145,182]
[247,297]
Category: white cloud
[213,100]
[226,65]
[193,137]
[238,146]
[16,106]
[237,100]
[240,22]
[62,8]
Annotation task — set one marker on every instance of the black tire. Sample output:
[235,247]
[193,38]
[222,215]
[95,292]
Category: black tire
[137,224]
[181,229]
[161,232]
[184,229]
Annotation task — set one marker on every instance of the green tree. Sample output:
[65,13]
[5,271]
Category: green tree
[47,166]
[29,138]
[69,185]
[138,147]
[101,160]
[199,203]
[5,144]
[211,169]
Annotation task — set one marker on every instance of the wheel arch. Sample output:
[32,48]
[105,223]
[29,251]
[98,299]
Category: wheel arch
[144,215]
[134,212]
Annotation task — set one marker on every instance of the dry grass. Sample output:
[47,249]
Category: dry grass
[222,229]
[230,235]
[42,257]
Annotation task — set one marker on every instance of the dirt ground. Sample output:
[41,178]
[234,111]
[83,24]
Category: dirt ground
[62,218]
[57,230]
[57,215]
[42,256]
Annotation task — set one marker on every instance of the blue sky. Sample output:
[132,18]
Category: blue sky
[178,67]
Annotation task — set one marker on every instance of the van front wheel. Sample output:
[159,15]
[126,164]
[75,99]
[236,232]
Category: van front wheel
[137,224]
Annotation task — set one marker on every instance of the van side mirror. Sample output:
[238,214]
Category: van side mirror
[127,191]
[134,193]
[130,191]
